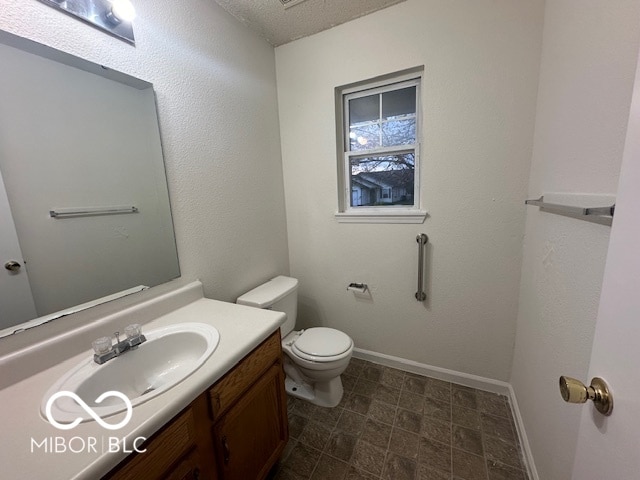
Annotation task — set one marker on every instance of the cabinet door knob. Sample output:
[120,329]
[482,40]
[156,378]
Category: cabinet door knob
[574,391]
[225,450]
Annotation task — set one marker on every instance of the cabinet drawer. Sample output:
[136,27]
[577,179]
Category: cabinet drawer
[224,393]
[162,450]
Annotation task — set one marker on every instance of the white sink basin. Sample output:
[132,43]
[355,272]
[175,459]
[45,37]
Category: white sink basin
[169,355]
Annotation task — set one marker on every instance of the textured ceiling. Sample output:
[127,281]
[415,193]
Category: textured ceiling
[279,25]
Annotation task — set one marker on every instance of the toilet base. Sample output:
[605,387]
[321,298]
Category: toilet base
[323,394]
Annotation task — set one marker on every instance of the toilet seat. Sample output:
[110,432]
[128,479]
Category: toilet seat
[321,344]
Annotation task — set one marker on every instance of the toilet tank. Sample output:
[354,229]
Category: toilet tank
[279,294]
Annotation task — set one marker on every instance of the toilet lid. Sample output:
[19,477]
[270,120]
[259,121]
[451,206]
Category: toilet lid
[322,342]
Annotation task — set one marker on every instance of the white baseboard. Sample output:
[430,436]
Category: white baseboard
[466,379]
[529,463]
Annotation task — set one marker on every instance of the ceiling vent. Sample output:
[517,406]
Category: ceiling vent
[291,3]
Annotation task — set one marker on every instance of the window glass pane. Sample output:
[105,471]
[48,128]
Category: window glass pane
[399,132]
[382,180]
[364,137]
[399,103]
[364,109]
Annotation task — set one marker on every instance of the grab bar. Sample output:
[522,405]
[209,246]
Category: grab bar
[89,211]
[422,240]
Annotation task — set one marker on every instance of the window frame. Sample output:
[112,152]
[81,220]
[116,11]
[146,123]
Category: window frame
[387,213]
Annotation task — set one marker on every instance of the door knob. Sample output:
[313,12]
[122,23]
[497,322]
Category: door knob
[574,391]
[12,266]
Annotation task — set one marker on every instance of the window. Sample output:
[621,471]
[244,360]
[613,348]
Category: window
[379,157]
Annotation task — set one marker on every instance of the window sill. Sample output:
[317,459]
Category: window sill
[382,216]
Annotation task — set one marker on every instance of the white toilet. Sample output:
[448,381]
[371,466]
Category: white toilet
[314,358]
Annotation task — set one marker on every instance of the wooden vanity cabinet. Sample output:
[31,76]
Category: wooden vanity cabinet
[236,430]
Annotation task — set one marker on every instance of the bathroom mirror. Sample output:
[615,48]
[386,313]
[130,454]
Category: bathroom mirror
[84,205]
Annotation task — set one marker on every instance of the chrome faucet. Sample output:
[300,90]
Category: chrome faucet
[104,348]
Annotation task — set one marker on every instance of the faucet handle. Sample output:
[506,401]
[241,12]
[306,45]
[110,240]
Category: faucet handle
[133,331]
[102,345]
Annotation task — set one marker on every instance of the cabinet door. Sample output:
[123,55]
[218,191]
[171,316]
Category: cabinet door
[189,468]
[162,451]
[252,435]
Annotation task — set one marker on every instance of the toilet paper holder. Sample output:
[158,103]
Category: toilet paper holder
[358,287]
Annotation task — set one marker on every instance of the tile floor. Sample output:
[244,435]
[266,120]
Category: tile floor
[401,426]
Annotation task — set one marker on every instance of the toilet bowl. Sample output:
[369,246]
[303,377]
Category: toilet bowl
[314,358]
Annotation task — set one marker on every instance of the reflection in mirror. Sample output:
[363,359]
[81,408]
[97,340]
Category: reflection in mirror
[76,137]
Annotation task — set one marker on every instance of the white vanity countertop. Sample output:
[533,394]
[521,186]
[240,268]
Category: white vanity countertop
[21,424]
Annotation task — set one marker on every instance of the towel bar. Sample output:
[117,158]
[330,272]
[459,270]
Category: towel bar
[601,215]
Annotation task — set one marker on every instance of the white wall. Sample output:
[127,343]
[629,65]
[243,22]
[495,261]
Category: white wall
[479,90]
[215,84]
[586,79]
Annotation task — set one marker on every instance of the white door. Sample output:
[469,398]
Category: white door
[609,447]
[16,301]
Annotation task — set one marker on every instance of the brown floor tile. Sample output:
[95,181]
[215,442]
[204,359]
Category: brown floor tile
[296,424]
[415,384]
[437,409]
[355,367]
[404,443]
[348,382]
[357,403]
[355,474]
[371,372]
[396,425]
[467,439]
[434,454]
[464,397]
[498,427]
[438,389]
[399,468]
[341,445]
[435,429]
[408,420]
[466,417]
[382,412]
[392,377]
[285,473]
[365,387]
[427,473]
[468,466]
[315,434]
[351,422]
[376,433]
[411,401]
[291,403]
[302,460]
[304,409]
[368,458]
[288,448]
[501,451]
[493,404]
[498,471]
[328,416]
[329,468]
[386,394]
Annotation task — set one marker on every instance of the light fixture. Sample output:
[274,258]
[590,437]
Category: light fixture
[291,3]
[121,11]
[113,16]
